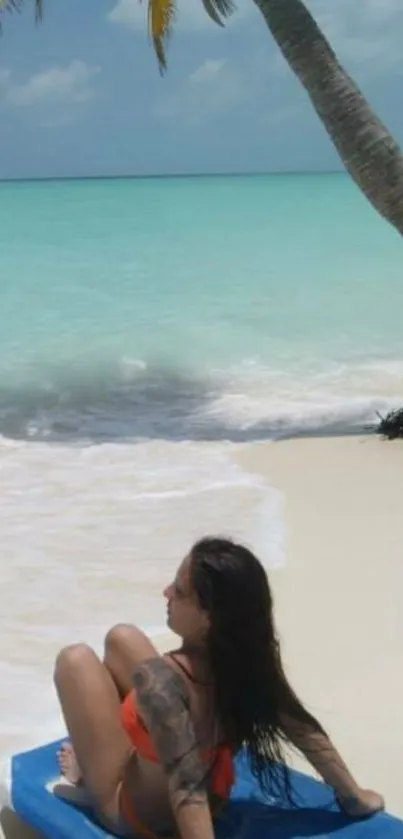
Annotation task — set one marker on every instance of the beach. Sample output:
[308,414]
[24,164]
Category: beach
[159,383]
[338,599]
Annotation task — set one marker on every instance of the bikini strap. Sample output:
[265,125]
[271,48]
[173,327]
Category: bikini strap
[187,672]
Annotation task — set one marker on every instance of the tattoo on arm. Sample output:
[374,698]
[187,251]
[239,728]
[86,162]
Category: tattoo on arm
[164,703]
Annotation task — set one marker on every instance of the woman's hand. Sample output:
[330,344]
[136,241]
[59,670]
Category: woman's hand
[365,803]
[322,755]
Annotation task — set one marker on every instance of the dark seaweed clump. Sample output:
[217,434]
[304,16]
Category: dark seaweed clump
[391,426]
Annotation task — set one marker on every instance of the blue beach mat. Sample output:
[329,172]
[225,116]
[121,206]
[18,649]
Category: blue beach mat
[246,816]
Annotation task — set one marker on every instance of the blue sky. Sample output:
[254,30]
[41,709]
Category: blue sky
[81,94]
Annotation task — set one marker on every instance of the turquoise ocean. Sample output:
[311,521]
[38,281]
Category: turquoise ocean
[148,327]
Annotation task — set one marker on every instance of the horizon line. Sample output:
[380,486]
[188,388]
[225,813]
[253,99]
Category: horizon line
[170,175]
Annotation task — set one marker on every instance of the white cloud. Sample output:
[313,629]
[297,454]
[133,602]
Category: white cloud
[129,13]
[190,14]
[365,33]
[207,71]
[212,90]
[71,85]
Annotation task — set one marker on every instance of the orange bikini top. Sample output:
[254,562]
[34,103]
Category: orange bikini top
[222,771]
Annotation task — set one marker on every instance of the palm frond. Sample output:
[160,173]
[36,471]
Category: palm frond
[16,6]
[38,9]
[218,10]
[161,16]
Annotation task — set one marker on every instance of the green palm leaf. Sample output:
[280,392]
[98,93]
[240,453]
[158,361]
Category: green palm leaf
[218,10]
[16,6]
[161,17]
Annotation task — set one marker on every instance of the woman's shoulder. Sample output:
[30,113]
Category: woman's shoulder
[180,662]
[194,668]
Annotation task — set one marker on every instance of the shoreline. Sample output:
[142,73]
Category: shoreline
[337,598]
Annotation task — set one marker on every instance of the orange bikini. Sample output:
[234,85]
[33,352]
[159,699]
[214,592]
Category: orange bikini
[222,772]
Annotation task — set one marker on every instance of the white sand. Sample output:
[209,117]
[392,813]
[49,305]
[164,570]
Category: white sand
[340,597]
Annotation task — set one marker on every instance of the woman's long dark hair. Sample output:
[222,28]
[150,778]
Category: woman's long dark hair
[252,694]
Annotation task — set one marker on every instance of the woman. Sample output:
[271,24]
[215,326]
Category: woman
[152,737]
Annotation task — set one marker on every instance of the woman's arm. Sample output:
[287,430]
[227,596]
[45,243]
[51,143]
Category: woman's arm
[164,704]
[322,755]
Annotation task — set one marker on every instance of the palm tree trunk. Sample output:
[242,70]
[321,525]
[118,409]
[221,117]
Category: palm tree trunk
[370,154]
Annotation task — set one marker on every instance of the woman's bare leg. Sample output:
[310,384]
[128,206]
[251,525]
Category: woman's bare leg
[100,749]
[126,646]
[91,709]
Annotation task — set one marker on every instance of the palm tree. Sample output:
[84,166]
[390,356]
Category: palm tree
[16,5]
[368,151]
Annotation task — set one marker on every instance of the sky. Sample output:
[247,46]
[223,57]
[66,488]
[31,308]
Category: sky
[81,95]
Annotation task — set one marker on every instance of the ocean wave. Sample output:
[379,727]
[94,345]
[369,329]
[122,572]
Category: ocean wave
[131,400]
[90,538]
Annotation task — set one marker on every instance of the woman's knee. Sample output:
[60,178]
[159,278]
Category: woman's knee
[123,636]
[73,658]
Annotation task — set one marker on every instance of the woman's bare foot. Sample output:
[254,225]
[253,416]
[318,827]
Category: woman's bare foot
[68,763]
